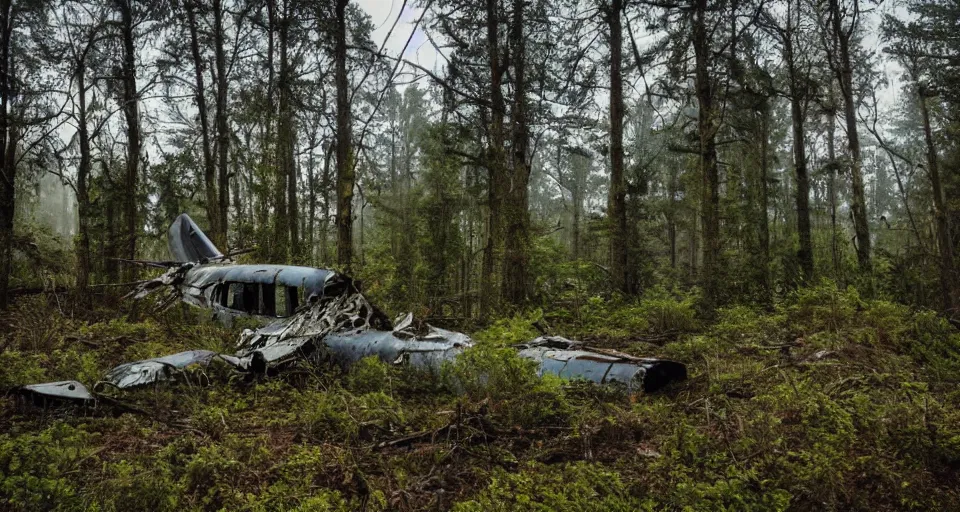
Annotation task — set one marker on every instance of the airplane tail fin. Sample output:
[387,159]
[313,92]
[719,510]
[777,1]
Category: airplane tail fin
[187,242]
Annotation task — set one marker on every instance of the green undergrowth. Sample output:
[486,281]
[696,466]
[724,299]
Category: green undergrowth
[659,315]
[826,401]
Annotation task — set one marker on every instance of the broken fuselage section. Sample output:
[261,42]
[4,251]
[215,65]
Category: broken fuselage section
[306,312]
[265,291]
[200,275]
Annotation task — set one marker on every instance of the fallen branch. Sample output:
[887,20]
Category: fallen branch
[415,437]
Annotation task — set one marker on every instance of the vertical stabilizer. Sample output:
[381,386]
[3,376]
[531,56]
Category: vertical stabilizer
[188,243]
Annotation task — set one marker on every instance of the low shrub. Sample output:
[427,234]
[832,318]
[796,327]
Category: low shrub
[38,469]
[571,487]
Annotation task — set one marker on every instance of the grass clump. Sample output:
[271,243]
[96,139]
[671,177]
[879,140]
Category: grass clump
[38,468]
[509,383]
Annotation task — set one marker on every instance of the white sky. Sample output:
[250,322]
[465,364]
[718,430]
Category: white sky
[384,13]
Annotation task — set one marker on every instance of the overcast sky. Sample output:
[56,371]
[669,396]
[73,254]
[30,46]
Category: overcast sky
[384,13]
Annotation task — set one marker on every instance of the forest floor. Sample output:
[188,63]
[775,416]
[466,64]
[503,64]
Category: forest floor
[826,401]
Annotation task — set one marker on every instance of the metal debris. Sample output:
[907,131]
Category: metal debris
[317,314]
[427,352]
[819,355]
[300,335]
[149,371]
[67,390]
[570,359]
[187,242]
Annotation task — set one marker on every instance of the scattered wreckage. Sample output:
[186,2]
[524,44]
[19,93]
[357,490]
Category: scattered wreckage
[316,314]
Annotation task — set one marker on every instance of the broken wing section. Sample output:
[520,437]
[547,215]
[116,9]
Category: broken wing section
[69,391]
[149,371]
[569,359]
[187,242]
[168,282]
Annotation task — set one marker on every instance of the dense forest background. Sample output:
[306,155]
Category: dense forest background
[552,149]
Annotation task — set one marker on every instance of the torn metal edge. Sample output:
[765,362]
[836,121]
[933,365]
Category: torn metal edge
[65,391]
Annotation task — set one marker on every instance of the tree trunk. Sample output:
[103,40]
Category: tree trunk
[289,138]
[209,168]
[797,97]
[266,231]
[845,77]
[111,238]
[765,199]
[325,219]
[408,237]
[239,193]
[131,113]
[672,187]
[293,209]
[576,196]
[495,163]
[83,172]
[693,246]
[710,198]
[345,171]
[672,235]
[223,130]
[517,235]
[281,227]
[7,211]
[617,208]
[394,185]
[363,204]
[8,147]
[944,241]
[311,198]
[832,189]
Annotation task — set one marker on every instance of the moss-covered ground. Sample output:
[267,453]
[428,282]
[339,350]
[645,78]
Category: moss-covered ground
[826,401]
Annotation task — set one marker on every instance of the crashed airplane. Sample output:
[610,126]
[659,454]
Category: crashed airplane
[316,314]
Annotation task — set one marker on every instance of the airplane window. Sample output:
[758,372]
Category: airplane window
[292,299]
[280,300]
[256,299]
[236,297]
[287,300]
[276,300]
[243,297]
[268,297]
[221,294]
[251,298]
